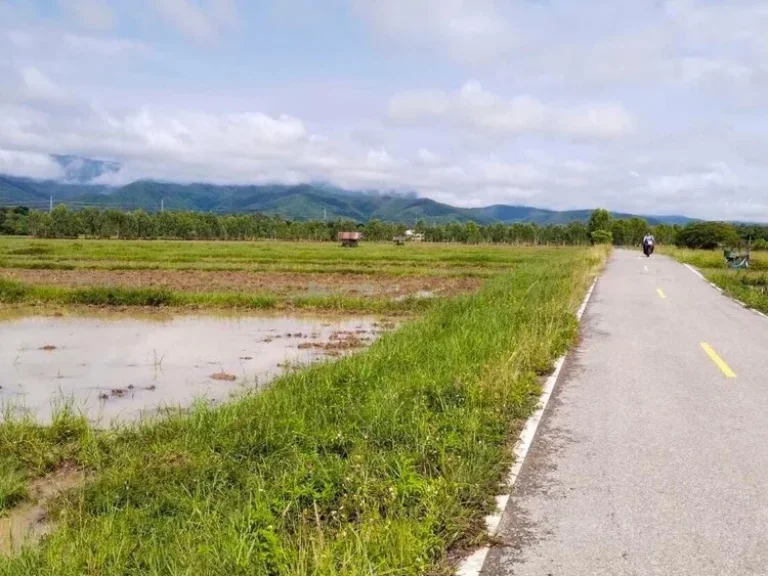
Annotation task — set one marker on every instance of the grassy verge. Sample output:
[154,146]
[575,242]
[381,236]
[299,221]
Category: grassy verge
[713,259]
[748,286]
[376,464]
[19,293]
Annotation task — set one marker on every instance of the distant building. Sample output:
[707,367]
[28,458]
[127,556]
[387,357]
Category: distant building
[414,236]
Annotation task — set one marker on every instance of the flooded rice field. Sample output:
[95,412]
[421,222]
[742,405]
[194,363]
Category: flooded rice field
[285,284]
[118,369]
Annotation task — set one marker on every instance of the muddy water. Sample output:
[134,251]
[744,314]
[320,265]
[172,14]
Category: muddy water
[120,369]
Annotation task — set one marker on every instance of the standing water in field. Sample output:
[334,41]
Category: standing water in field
[118,369]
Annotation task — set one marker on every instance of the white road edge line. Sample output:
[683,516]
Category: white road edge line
[692,269]
[716,287]
[473,565]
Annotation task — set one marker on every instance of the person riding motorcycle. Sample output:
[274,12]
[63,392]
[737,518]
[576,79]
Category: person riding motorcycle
[648,243]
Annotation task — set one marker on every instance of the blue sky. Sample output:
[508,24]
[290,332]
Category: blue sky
[651,106]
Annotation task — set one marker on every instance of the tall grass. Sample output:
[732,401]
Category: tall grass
[376,464]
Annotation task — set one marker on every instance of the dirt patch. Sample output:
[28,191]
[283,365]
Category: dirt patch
[340,341]
[26,524]
[284,284]
[223,377]
[47,348]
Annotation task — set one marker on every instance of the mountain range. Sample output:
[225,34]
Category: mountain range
[79,188]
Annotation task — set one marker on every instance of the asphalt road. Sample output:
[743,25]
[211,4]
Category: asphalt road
[650,460]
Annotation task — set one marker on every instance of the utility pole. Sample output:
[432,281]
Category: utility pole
[50,205]
[325,214]
[162,204]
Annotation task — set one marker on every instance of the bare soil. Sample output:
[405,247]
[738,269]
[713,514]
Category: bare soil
[275,282]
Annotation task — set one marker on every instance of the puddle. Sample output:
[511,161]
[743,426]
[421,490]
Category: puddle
[120,369]
[26,524]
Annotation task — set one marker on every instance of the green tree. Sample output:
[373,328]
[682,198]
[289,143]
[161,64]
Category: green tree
[600,220]
[708,235]
[39,224]
[64,223]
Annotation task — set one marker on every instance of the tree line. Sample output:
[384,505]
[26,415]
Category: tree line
[63,222]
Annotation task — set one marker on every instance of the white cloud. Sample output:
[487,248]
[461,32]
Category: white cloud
[197,21]
[29,165]
[21,39]
[477,110]
[418,105]
[91,14]
[555,130]
[105,46]
[185,15]
[38,86]
[470,31]
[426,156]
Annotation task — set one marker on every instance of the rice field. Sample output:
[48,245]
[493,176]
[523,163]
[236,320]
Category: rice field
[384,461]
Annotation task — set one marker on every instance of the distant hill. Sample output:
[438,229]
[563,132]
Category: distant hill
[301,202]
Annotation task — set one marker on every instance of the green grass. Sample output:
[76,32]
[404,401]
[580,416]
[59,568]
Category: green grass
[416,259]
[379,463]
[13,484]
[12,292]
[713,259]
[28,449]
[748,286]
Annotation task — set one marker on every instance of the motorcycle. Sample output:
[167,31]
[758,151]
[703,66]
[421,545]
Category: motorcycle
[648,249]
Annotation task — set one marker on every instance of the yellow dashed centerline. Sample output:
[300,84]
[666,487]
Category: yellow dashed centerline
[719,362]
[661,294]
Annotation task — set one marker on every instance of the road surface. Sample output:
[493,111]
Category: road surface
[652,458]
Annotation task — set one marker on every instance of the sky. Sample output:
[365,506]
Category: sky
[651,107]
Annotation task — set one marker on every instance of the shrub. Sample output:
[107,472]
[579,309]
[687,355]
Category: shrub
[602,237]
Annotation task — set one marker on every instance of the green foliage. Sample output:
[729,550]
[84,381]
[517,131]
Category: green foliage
[376,464]
[111,223]
[708,235]
[602,237]
[14,221]
[599,221]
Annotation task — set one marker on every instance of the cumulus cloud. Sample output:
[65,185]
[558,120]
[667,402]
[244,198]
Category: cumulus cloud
[475,109]
[636,106]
